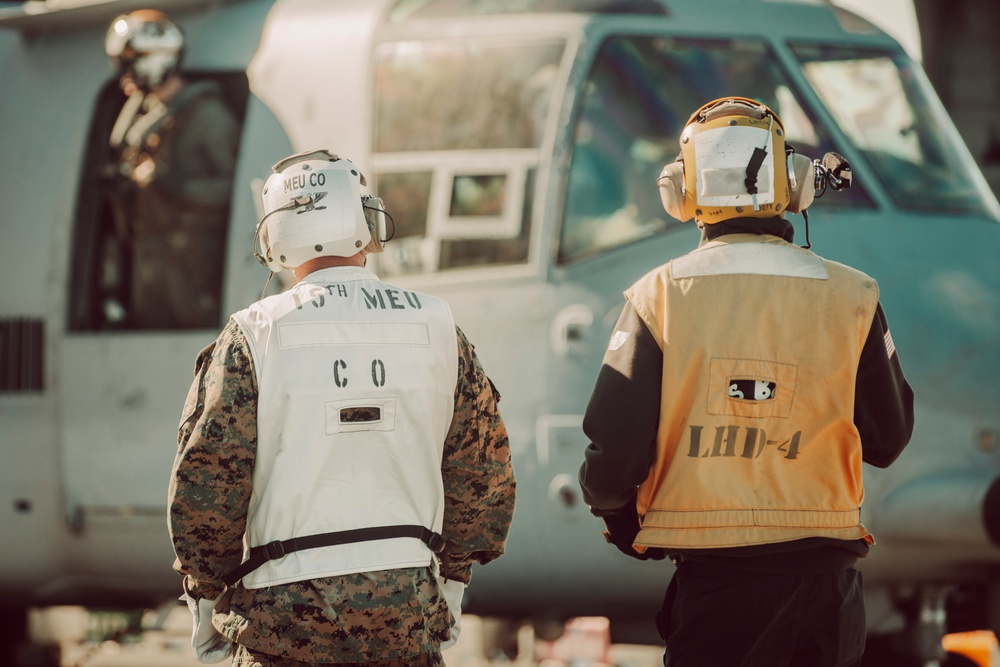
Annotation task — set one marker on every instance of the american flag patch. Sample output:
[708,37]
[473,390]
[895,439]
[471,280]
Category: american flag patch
[890,347]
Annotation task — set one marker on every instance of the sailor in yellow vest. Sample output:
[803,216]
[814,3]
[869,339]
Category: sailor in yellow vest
[743,386]
[342,461]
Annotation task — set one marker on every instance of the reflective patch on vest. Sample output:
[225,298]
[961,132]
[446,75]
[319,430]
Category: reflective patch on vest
[618,339]
[752,390]
[761,259]
[360,414]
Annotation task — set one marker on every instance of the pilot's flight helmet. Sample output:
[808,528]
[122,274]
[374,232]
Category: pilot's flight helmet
[146,45]
[733,164]
[313,207]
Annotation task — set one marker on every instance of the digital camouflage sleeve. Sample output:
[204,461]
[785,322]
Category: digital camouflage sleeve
[384,615]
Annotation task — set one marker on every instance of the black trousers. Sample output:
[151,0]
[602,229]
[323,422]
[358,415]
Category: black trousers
[721,617]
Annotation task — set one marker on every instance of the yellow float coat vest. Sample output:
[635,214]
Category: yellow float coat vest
[756,444]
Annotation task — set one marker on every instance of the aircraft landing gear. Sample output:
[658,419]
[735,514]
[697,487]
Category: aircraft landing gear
[918,644]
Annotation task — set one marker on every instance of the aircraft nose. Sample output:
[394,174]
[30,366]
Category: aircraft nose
[991,512]
[953,507]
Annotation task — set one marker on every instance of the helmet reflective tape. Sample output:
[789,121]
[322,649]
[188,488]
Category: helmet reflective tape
[312,208]
[722,156]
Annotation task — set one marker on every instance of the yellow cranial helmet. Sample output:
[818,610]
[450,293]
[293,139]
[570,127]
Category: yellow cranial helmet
[733,164]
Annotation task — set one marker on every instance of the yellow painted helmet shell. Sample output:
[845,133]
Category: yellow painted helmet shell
[717,144]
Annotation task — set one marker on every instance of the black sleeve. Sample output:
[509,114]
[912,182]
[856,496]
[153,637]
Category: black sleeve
[622,416]
[883,403]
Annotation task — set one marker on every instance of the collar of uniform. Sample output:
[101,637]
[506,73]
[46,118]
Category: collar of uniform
[751,254]
[775,226]
[338,274]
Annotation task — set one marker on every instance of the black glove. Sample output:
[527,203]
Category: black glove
[623,526]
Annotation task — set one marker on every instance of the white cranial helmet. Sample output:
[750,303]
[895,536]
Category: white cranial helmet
[145,45]
[312,208]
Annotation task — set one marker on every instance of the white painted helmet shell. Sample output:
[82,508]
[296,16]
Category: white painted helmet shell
[312,208]
[146,45]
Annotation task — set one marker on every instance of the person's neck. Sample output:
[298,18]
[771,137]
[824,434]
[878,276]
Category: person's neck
[776,226]
[327,262]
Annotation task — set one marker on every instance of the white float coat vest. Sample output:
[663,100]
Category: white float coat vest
[356,383]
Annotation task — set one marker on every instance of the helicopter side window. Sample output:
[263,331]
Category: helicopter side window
[638,95]
[885,106]
[153,210]
[458,134]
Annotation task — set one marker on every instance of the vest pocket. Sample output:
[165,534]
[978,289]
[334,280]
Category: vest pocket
[750,388]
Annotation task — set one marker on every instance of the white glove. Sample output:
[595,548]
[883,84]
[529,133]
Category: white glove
[210,646]
[453,591]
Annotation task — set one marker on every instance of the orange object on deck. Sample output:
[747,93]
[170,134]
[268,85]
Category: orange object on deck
[980,646]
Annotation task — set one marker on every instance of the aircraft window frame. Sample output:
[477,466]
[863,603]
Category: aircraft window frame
[456,154]
[938,174]
[505,223]
[443,231]
[662,70]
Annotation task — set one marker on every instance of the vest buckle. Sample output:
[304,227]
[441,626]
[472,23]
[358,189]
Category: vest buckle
[274,550]
[436,543]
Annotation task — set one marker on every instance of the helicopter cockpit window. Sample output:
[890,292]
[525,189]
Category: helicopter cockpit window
[153,207]
[640,92]
[883,103]
[458,134]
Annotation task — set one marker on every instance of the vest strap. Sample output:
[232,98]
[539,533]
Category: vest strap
[280,548]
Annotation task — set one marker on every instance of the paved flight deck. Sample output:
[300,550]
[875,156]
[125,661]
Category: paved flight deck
[585,643]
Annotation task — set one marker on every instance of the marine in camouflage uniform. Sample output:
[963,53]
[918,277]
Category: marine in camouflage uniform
[387,618]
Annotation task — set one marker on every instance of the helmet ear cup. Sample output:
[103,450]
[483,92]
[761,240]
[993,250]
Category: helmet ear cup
[671,185]
[801,188]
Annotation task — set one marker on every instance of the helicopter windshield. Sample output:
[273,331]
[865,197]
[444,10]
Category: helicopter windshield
[639,94]
[884,105]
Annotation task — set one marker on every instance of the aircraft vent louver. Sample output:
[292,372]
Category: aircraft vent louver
[22,347]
